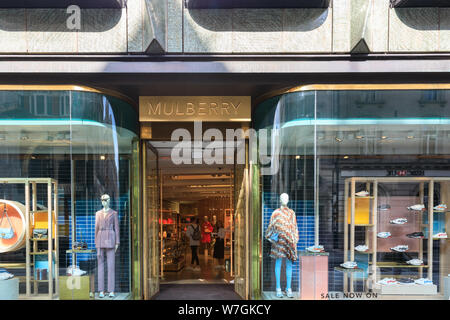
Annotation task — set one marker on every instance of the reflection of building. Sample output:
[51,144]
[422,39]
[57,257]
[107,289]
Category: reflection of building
[390,120]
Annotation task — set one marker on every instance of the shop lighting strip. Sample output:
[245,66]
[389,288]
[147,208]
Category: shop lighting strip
[49,122]
[331,122]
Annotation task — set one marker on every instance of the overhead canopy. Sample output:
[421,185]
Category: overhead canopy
[419,3]
[229,4]
[62,3]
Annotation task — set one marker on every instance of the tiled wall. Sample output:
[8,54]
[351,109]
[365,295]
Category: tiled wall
[305,221]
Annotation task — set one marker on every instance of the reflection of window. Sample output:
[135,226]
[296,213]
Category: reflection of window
[371,96]
[430,95]
[64,107]
[40,105]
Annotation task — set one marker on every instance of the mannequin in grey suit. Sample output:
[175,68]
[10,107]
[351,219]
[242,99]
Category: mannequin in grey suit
[107,239]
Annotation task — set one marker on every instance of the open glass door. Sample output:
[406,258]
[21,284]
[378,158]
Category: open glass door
[241,225]
[150,223]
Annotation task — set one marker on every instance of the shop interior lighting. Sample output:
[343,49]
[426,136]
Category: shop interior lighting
[297,157]
[102,157]
[338,139]
[200,177]
[211,186]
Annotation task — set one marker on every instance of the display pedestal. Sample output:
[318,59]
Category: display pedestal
[447,288]
[313,275]
[405,289]
[9,289]
[74,287]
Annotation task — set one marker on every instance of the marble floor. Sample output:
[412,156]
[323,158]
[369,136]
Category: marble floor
[208,273]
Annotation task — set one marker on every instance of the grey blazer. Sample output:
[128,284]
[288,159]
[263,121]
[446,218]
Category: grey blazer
[107,233]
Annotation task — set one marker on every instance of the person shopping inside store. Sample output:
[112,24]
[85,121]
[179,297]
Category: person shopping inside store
[207,228]
[219,245]
[194,234]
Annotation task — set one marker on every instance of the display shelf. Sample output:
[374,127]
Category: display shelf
[342,269]
[15,265]
[393,264]
[405,289]
[46,219]
[424,190]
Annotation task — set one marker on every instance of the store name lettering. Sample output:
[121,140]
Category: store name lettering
[190,109]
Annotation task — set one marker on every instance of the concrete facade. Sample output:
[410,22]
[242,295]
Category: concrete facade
[166,26]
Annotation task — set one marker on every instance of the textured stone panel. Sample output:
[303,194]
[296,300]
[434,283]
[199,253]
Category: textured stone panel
[134,20]
[207,30]
[13,30]
[414,29]
[48,32]
[175,26]
[103,30]
[307,30]
[379,25]
[257,30]
[155,26]
[360,38]
[444,37]
[341,25]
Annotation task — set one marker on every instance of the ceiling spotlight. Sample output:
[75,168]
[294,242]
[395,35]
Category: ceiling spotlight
[384,137]
[359,137]
[345,157]
[410,137]
[297,157]
[338,139]
[102,157]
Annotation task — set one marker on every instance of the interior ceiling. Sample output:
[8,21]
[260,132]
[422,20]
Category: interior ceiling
[192,182]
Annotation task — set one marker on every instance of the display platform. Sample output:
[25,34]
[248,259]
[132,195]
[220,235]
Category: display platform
[9,289]
[405,289]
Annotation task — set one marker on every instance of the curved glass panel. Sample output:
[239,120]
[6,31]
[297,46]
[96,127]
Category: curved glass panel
[390,144]
[82,140]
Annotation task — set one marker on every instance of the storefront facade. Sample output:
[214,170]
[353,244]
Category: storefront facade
[347,118]
[325,144]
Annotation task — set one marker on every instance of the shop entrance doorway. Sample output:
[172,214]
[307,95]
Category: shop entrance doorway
[181,198]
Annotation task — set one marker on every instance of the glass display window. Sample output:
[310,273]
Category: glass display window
[392,146]
[82,140]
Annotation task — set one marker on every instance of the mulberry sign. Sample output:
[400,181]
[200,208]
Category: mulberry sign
[197,108]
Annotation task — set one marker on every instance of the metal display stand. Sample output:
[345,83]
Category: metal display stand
[371,237]
[32,243]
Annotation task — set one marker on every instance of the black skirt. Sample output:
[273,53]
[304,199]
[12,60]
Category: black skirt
[219,249]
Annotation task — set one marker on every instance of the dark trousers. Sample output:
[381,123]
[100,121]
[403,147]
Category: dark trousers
[194,255]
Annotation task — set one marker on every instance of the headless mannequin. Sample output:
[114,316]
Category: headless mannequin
[284,200]
[282,232]
[104,212]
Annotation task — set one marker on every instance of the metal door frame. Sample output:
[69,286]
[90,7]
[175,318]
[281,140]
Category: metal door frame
[145,245]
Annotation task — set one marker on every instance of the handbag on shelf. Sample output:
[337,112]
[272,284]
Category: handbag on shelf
[80,245]
[40,233]
[6,233]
